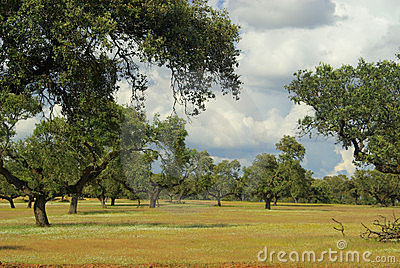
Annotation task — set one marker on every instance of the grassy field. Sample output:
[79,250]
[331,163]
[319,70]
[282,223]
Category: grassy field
[196,232]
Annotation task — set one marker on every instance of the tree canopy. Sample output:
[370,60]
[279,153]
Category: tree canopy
[63,51]
[359,106]
[225,179]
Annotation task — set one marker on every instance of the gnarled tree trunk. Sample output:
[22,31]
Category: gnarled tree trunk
[179,198]
[102,199]
[219,201]
[9,199]
[73,205]
[268,203]
[113,201]
[154,196]
[31,199]
[39,208]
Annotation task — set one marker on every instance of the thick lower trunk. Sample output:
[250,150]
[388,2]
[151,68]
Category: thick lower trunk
[219,201]
[268,203]
[11,203]
[39,209]
[113,201]
[380,201]
[102,201]
[154,197]
[9,199]
[73,205]
[152,202]
[179,198]
[31,199]
[138,203]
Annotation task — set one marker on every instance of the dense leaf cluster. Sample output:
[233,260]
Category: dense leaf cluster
[358,105]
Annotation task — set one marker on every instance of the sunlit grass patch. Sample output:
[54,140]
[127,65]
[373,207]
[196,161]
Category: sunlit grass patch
[197,232]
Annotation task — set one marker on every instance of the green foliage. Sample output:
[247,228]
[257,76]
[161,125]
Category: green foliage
[291,150]
[73,54]
[43,162]
[137,174]
[365,187]
[108,183]
[66,51]
[273,177]
[14,108]
[384,188]
[263,179]
[8,190]
[106,136]
[296,184]
[225,179]
[175,156]
[197,177]
[357,105]
[297,181]
[182,168]
[320,192]
[339,187]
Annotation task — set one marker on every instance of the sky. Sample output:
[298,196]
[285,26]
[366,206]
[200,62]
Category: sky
[279,37]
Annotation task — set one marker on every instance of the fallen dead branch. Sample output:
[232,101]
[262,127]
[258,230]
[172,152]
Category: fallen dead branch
[341,229]
[386,230]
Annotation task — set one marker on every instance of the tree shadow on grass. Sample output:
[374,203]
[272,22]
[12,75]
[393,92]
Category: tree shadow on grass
[146,225]
[304,205]
[105,211]
[142,205]
[13,248]
[128,205]
[217,225]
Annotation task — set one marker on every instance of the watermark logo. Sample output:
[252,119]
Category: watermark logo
[341,244]
[340,254]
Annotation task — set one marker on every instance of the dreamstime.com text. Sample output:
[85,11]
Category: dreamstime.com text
[330,255]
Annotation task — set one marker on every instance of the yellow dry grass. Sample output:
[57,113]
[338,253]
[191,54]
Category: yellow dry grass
[196,232]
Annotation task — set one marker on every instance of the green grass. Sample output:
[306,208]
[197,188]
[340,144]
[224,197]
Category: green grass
[197,232]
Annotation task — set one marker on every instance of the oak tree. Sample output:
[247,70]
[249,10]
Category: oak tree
[359,106]
[225,180]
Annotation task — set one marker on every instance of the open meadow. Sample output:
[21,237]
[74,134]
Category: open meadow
[196,232]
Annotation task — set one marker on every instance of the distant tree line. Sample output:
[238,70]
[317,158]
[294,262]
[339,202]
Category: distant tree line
[58,160]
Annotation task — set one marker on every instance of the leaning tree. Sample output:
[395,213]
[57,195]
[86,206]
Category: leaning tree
[359,106]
